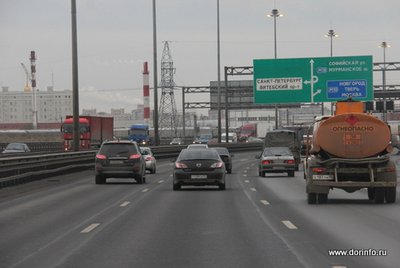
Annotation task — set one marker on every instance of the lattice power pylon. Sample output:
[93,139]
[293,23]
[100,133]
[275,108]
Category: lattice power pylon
[167,113]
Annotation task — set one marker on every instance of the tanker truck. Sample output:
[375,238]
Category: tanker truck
[350,150]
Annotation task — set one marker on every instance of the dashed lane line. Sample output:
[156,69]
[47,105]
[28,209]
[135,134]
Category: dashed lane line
[253,189]
[90,228]
[265,202]
[289,225]
[145,190]
[247,181]
[125,204]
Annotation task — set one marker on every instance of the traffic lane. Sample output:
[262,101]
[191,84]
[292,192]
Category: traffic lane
[347,221]
[35,215]
[195,227]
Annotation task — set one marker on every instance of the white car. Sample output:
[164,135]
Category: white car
[150,159]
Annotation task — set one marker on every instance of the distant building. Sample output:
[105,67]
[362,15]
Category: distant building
[52,106]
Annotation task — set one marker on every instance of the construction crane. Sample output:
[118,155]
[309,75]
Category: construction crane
[27,87]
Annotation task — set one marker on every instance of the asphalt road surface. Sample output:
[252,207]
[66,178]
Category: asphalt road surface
[69,221]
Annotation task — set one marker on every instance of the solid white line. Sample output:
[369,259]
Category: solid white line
[265,202]
[125,204]
[253,189]
[145,190]
[90,228]
[289,225]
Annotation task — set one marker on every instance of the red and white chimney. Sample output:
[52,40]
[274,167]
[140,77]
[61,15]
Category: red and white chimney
[146,91]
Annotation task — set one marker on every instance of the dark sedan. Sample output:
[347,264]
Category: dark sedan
[199,167]
[226,157]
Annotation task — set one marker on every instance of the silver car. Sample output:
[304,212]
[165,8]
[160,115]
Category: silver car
[150,159]
[276,160]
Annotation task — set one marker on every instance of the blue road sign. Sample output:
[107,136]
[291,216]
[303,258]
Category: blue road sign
[344,89]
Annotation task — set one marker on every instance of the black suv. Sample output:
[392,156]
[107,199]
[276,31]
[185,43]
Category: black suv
[120,159]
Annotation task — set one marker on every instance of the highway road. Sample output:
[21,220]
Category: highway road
[69,221]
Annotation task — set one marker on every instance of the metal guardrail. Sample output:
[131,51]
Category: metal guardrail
[17,169]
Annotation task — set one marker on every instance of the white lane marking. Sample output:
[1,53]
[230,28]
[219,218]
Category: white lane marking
[90,228]
[160,181]
[339,266]
[265,202]
[247,181]
[245,171]
[125,204]
[145,190]
[244,175]
[289,225]
[171,175]
[253,189]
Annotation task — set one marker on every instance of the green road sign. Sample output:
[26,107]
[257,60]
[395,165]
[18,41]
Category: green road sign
[313,79]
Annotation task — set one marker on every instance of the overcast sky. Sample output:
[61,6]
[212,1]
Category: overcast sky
[115,37]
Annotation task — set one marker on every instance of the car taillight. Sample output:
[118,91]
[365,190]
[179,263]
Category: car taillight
[101,156]
[134,156]
[267,162]
[289,161]
[318,170]
[217,165]
[180,165]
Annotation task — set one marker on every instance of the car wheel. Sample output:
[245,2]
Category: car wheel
[100,179]
[291,173]
[140,179]
[222,186]
[263,174]
[154,170]
[229,171]
[176,187]
[390,195]
[311,198]
[379,196]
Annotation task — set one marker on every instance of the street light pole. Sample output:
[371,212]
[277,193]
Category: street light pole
[331,34]
[219,75]
[384,45]
[275,13]
[155,110]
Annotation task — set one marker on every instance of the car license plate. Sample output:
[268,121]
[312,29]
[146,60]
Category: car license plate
[323,177]
[116,162]
[196,177]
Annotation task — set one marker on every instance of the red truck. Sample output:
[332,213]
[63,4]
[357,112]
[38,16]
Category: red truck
[246,131]
[93,130]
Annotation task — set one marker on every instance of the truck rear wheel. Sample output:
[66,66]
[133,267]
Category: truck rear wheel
[390,195]
[379,195]
[100,179]
[311,198]
[322,198]
[371,193]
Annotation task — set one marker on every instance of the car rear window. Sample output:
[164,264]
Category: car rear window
[222,150]
[121,149]
[199,154]
[279,151]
